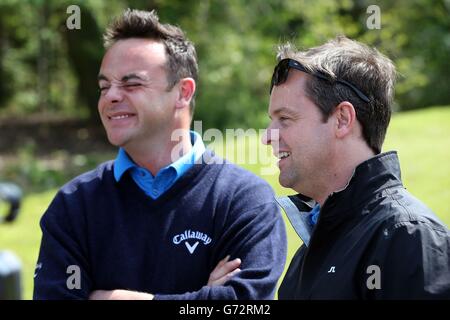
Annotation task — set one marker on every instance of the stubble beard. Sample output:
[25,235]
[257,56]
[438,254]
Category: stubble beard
[289,178]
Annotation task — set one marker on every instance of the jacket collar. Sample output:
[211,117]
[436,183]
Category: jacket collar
[369,178]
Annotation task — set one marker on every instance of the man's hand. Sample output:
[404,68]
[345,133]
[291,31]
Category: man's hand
[119,295]
[224,271]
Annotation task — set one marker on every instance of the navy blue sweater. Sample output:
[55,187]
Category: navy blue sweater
[119,238]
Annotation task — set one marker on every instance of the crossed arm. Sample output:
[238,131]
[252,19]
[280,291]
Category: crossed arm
[255,235]
[224,271]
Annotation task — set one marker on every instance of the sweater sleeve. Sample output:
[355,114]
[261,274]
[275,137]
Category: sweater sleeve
[256,236]
[61,270]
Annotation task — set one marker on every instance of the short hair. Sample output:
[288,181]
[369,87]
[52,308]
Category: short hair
[364,67]
[181,54]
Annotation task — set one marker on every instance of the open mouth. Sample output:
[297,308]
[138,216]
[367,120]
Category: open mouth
[283,155]
[120,116]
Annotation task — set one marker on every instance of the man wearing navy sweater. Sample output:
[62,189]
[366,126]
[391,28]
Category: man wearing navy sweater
[167,219]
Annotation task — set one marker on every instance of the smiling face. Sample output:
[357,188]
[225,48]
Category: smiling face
[135,106]
[304,142]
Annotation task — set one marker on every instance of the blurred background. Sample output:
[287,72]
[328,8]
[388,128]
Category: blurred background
[50,131]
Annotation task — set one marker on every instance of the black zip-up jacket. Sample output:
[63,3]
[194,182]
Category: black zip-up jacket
[373,240]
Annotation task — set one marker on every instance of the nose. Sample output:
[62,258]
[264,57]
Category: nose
[270,135]
[113,94]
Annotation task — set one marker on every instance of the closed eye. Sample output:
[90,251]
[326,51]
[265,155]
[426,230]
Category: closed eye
[126,86]
[132,85]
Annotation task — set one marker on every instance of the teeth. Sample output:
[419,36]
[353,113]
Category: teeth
[283,155]
[120,117]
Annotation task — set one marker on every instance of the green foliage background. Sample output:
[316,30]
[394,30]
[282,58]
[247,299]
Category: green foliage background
[48,69]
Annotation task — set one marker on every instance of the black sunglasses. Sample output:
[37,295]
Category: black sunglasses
[281,72]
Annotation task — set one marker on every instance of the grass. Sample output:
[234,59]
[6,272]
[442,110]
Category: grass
[422,139]
[23,236]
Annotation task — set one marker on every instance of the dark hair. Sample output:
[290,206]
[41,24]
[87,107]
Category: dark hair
[182,58]
[366,68]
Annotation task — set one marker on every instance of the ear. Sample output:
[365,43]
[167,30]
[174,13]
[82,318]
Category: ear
[186,92]
[345,116]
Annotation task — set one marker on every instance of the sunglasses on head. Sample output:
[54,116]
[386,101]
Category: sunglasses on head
[281,72]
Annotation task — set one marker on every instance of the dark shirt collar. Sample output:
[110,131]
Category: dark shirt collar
[370,177]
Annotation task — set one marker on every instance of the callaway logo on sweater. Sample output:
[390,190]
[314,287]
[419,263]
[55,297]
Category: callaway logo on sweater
[196,235]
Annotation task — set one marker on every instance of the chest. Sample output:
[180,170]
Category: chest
[336,267]
[152,249]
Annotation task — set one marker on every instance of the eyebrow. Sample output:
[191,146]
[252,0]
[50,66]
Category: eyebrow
[281,110]
[101,77]
[124,78]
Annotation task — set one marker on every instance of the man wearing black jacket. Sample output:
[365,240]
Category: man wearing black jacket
[364,235]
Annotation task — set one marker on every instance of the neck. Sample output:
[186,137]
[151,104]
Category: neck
[342,171]
[155,154]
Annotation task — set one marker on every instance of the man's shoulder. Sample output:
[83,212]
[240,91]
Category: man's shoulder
[78,192]
[103,172]
[401,209]
[238,185]
[234,177]
[234,173]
